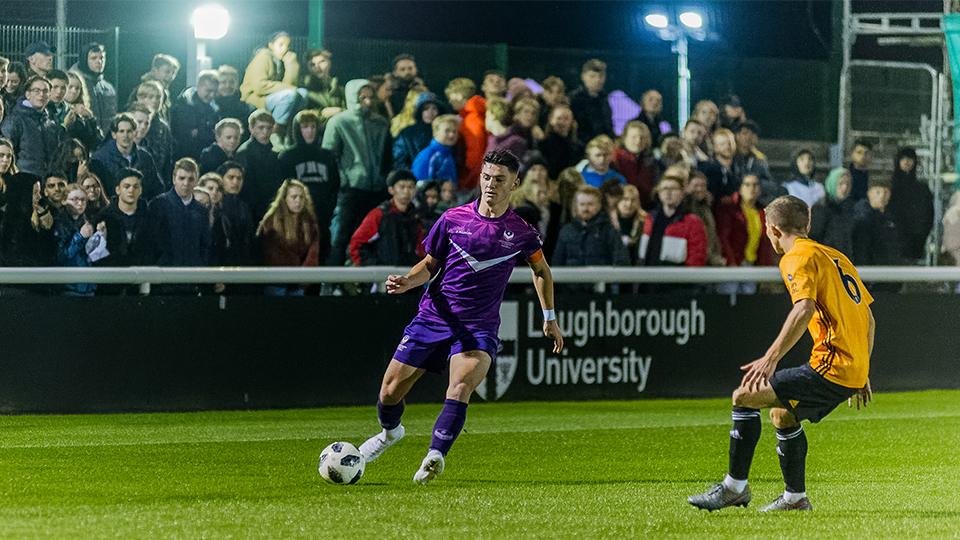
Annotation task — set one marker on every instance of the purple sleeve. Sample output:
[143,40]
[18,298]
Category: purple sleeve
[435,244]
[531,244]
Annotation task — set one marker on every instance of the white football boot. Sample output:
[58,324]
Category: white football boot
[431,467]
[378,444]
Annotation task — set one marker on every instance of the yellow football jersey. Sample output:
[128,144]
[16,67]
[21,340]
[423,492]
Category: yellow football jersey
[841,322]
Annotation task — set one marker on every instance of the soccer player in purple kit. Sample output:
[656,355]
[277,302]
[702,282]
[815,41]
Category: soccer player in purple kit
[471,252]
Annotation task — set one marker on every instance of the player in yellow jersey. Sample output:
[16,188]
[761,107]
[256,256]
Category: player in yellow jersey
[831,302]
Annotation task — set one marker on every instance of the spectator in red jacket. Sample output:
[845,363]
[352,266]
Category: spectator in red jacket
[741,226]
[391,234]
[289,235]
[635,161]
[671,235]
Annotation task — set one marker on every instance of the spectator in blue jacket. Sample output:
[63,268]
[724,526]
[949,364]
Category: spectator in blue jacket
[121,153]
[413,139]
[436,161]
[72,231]
[181,224]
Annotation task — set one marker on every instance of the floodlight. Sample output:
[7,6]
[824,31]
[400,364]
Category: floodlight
[210,22]
[691,19]
[657,20]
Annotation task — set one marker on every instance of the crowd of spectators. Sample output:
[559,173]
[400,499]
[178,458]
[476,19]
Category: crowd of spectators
[282,165]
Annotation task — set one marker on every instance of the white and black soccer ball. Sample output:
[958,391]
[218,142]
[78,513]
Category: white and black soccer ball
[341,463]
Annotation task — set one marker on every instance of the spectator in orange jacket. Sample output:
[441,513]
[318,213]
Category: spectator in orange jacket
[472,144]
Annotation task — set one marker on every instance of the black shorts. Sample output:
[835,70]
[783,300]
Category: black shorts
[806,394]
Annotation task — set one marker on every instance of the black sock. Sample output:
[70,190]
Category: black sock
[792,449]
[743,441]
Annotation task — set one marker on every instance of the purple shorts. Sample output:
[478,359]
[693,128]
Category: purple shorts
[429,345]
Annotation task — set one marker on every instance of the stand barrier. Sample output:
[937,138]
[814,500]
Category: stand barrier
[170,353]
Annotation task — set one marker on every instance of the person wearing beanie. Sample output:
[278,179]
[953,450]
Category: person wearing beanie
[831,218]
[911,205]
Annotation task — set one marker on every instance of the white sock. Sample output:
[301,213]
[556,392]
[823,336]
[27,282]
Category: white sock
[793,497]
[736,485]
[393,433]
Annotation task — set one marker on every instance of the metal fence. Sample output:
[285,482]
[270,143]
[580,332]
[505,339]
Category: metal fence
[69,41]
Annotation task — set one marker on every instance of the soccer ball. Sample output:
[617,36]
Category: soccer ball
[341,463]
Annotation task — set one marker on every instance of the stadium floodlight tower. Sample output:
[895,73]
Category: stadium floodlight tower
[690,25]
[210,22]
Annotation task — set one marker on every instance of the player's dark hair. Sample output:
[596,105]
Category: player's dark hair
[227,165]
[118,119]
[500,156]
[789,214]
[129,173]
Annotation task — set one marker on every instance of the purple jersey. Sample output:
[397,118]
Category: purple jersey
[476,256]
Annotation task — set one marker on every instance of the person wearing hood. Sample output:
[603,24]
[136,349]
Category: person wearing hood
[34,135]
[194,117]
[316,168]
[271,79]
[801,183]
[360,142]
[436,161]
[472,142]
[103,96]
[414,139]
[831,218]
[911,205]
[120,153]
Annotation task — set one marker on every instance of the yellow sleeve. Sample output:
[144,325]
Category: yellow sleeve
[799,275]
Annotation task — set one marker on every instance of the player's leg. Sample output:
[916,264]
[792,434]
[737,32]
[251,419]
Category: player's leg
[792,449]
[397,381]
[467,370]
[744,436]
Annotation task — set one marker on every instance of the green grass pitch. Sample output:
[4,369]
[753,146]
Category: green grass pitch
[520,470]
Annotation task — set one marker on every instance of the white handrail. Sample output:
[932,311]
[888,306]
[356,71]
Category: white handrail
[372,274]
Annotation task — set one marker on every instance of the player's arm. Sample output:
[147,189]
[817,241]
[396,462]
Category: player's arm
[760,370]
[421,273]
[543,283]
[865,394]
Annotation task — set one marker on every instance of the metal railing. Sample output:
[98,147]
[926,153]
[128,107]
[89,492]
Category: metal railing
[147,275]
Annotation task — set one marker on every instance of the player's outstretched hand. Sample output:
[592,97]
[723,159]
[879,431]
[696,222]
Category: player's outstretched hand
[551,330]
[758,372]
[397,284]
[863,396]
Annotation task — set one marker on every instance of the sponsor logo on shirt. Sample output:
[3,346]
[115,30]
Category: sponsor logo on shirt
[468,233]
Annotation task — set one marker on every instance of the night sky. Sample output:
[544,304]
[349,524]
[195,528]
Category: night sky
[781,28]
